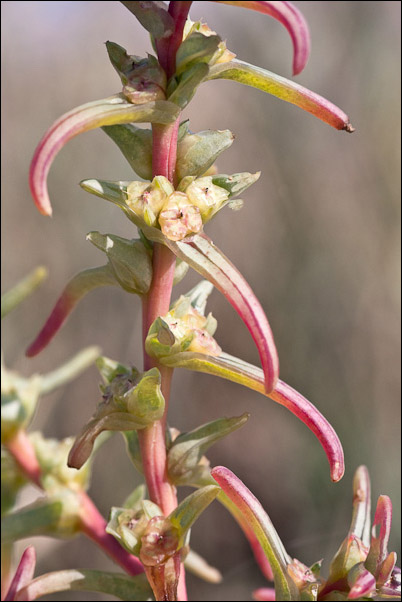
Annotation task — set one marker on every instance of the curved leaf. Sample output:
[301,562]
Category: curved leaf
[204,257]
[76,289]
[188,448]
[243,373]
[109,111]
[287,14]
[260,523]
[284,89]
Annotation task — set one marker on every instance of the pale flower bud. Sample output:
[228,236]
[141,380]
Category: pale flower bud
[179,217]
[147,200]
[208,197]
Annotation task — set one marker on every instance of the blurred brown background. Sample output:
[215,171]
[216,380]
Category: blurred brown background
[318,240]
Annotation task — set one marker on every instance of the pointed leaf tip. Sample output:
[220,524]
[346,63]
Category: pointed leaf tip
[23,574]
[204,257]
[283,88]
[78,287]
[303,409]
[291,18]
[258,520]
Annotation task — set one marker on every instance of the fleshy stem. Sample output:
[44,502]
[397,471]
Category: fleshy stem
[92,522]
[152,439]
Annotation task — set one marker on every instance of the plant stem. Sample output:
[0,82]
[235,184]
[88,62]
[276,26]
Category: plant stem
[23,453]
[167,47]
[164,152]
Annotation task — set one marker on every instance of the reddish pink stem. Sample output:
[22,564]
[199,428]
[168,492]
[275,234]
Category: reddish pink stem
[23,452]
[167,47]
[152,439]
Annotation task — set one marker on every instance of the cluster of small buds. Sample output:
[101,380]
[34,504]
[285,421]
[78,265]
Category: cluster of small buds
[131,401]
[178,213]
[184,328]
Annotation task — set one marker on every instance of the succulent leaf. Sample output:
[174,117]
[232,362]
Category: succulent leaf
[287,14]
[259,521]
[236,370]
[23,575]
[76,289]
[197,152]
[284,89]
[109,111]
[188,448]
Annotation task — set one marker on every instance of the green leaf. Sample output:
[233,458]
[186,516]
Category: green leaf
[146,402]
[187,512]
[282,88]
[136,146]
[188,448]
[196,48]
[12,298]
[39,518]
[109,369]
[129,260]
[187,84]
[123,587]
[153,16]
[197,152]
[236,183]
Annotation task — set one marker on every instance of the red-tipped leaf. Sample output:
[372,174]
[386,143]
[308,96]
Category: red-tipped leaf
[109,111]
[76,289]
[204,257]
[290,16]
[23,574]
[243,373]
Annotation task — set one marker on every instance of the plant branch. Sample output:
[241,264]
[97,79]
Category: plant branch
[92,522]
